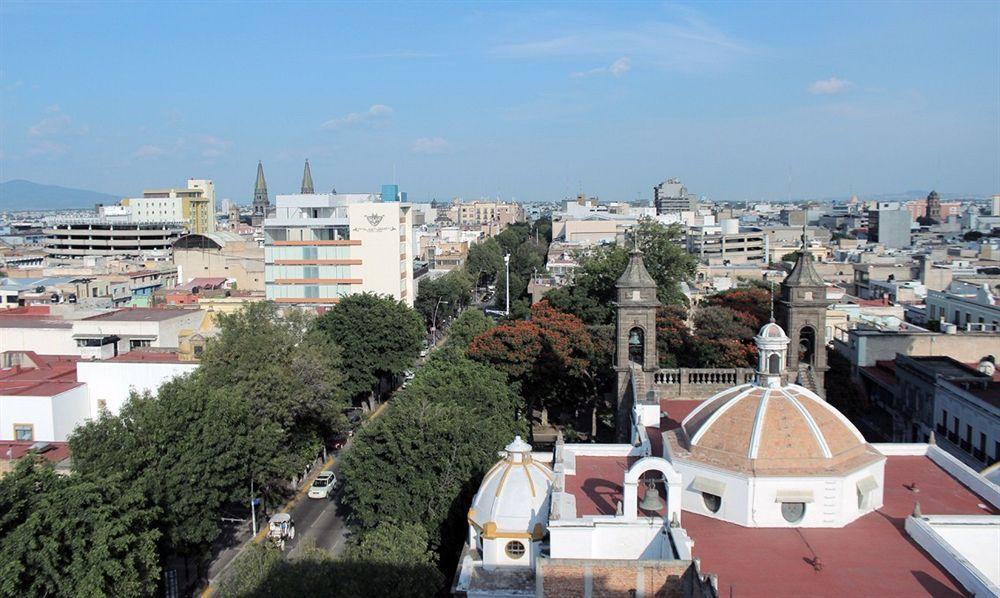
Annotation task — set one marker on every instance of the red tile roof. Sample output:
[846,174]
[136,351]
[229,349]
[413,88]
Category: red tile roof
[872,556]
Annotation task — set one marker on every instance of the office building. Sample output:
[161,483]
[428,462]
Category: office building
[727,243]
[889,227]
[672,196]
[321,247]
[193,206]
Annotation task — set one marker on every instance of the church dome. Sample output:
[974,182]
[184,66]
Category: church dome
[772,331]
[513,498]
[784,430]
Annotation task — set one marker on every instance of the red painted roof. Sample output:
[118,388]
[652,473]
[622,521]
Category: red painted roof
[55,451]
[50,376]
[676,411]
[872,556]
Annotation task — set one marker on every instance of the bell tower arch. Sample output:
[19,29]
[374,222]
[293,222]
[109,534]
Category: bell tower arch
[635,327]
[801,312]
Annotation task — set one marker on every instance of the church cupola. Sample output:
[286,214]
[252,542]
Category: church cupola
[772,351]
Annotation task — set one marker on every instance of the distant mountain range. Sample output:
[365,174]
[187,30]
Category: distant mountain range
[18,195]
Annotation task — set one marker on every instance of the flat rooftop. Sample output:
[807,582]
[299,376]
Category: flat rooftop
[872,556]
[141,314]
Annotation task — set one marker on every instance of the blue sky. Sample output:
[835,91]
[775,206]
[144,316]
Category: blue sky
[526,101]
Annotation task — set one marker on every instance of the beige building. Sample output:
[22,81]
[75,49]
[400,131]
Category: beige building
[321,247]
[220,254]
[194,206]
[499,213]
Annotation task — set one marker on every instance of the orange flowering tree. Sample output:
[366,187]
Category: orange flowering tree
[548,356]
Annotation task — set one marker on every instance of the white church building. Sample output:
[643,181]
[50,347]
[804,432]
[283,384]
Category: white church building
[763,489]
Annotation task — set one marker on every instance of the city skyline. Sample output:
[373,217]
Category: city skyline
[528,103]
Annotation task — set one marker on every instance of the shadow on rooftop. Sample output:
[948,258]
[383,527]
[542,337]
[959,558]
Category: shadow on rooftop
[606,500]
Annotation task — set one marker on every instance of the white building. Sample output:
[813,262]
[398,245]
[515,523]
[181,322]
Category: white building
[968,306]
[193,205]
[321,247]
[703,500]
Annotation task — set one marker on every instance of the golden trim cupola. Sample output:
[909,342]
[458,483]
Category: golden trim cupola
[509,514]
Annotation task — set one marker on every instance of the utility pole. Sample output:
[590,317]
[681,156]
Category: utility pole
[253,509]
[434,321]
[506,279]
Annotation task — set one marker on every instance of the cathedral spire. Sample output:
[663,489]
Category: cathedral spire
[260,189]
[307,180]
[260,200]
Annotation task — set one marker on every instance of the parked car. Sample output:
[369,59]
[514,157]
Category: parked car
[409,375]
[423,353]
[339,442]
[323,485]
[353,417]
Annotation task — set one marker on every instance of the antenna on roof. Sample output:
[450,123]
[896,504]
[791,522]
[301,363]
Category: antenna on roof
[772,300]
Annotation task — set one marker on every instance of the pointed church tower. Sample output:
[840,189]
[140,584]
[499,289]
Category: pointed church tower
[801,311]
[635,323]
[260,201]
[307,180]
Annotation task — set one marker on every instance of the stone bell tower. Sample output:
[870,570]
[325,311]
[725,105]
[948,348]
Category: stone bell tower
[635,326]
[801,311]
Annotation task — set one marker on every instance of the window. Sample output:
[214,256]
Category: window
[136,343]
[514,549]
[713,502]
[793,512]
[24,432]
[774,364]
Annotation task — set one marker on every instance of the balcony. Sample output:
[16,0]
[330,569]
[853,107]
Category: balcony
[699,382]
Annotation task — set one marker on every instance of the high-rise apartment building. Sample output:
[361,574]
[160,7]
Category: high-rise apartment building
[672,196]
[889,227]
[324,246]
[193,206]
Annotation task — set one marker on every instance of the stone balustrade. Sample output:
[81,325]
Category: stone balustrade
[698,383]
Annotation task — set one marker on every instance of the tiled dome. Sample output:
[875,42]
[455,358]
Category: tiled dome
[787,429]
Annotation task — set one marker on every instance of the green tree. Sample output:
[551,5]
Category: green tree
[592,293]
[420,460]
[380,337]
[453,290]
[79,536]
[513,236]
[400,554]
[485,261]
[470,324]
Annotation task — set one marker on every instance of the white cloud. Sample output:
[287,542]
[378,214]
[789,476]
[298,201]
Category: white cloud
[56,123]
[45,147]
[377,114]
[686,42]
[615,69]
[214,147]
[830,86]
[149,151]
[431,145]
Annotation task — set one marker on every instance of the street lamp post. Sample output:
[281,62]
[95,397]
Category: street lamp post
[506,279]
[434,320]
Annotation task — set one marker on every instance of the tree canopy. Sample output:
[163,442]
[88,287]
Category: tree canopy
[75,535]
[591,294]
[422,454]
[380,338]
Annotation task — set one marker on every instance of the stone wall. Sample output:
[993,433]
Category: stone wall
[576,578]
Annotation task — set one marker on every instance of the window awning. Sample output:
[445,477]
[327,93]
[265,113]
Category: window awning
[794,496]
[708,486]
[867,484]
